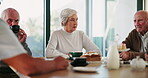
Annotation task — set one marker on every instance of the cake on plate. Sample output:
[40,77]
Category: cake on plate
[121,47]
[92,56]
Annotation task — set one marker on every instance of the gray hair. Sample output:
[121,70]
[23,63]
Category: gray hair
[143,13]
[65,14]
[8,10]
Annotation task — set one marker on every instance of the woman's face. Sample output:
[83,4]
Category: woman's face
[71,24]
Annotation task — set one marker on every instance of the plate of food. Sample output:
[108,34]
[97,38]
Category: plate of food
[85,69]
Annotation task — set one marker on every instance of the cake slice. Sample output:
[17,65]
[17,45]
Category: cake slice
[92,56]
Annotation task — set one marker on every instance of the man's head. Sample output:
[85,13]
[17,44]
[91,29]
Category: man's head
[11,16]
[141,21]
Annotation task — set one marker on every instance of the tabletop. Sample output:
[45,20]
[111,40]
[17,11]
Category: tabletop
[124,71]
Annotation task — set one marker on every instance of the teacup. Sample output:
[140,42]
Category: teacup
[15,28]
[75,53]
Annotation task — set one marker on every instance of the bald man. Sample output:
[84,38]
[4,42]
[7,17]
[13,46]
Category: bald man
[137,39]
[12,17]
[13,54]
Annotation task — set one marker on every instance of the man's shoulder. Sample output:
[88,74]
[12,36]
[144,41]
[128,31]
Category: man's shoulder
[134,31]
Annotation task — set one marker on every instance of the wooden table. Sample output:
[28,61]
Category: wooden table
[124,71]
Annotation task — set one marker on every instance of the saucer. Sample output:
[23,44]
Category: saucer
[79,64]
[85,69]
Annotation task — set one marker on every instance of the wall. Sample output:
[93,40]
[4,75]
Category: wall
[146,5]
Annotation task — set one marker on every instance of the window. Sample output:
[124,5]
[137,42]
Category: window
[119,20]
[100,19]
[98,22]
[31,20]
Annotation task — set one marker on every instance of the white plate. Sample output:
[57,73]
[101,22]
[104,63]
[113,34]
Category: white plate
[85,69]
[124,50]
[95,62]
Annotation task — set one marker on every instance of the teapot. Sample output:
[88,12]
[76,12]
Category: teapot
[138,64]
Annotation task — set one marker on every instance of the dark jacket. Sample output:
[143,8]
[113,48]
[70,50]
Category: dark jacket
[25,45]
[133,41]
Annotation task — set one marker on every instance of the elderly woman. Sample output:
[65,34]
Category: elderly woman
[68,39]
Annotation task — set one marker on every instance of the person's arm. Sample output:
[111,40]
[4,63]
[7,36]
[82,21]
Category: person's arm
[28,65]
[13,54]
[89,45]
[131,54]
[51,50]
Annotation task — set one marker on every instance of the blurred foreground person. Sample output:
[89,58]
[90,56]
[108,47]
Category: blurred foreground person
[13,54]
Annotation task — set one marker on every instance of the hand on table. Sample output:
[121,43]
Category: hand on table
[61,63]
[124,56]
[22,35]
